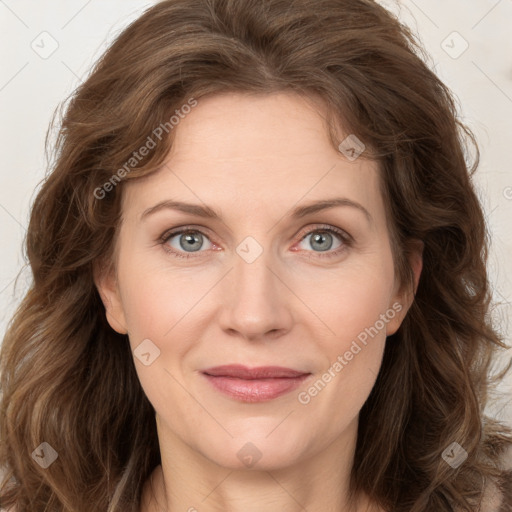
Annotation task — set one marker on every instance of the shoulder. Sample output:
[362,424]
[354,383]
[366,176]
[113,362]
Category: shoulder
[498,495]
[507,459]
[493,498]
[498,492]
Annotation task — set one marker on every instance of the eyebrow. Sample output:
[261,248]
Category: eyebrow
[297,213]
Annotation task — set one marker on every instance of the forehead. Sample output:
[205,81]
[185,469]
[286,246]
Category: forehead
[255,150]
[253,126]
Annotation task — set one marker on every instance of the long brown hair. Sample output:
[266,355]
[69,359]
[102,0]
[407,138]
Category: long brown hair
[68,379]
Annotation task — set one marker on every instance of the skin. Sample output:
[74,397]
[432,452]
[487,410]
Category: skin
[253,159]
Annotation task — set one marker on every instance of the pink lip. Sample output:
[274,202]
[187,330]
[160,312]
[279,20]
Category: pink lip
[254,384]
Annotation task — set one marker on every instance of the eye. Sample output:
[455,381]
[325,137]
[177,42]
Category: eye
[187,240]
[321,239]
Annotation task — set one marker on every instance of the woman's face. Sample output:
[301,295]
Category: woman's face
[262,283]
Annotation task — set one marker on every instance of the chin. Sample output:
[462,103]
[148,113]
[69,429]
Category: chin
[257,452]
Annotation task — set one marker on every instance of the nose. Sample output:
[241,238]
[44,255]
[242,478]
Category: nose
[256,301]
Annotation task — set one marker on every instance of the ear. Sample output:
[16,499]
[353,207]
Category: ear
[405,293]
[106,282]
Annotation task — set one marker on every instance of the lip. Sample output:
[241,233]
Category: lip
[254,384]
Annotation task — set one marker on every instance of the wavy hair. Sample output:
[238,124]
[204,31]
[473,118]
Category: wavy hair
[69,380]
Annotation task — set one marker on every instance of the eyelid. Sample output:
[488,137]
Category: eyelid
[326,227]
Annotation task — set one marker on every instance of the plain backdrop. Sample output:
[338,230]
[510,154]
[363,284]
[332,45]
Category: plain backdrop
[48,46]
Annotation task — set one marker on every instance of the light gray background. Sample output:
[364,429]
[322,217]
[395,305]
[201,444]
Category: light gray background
[33,82]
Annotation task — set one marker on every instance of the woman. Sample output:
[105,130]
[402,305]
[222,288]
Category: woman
[188,344]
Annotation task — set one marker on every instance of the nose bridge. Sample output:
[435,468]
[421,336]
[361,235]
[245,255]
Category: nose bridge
[251,270]
[256,300]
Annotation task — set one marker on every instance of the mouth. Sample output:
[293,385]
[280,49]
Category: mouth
[254,384]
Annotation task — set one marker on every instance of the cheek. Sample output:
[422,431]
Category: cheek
[166,307]
[353,354]
[355,349]
[157,306]
[155,299]
[352,299]
[357,314]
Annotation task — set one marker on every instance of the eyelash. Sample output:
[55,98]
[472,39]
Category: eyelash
[345,238]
